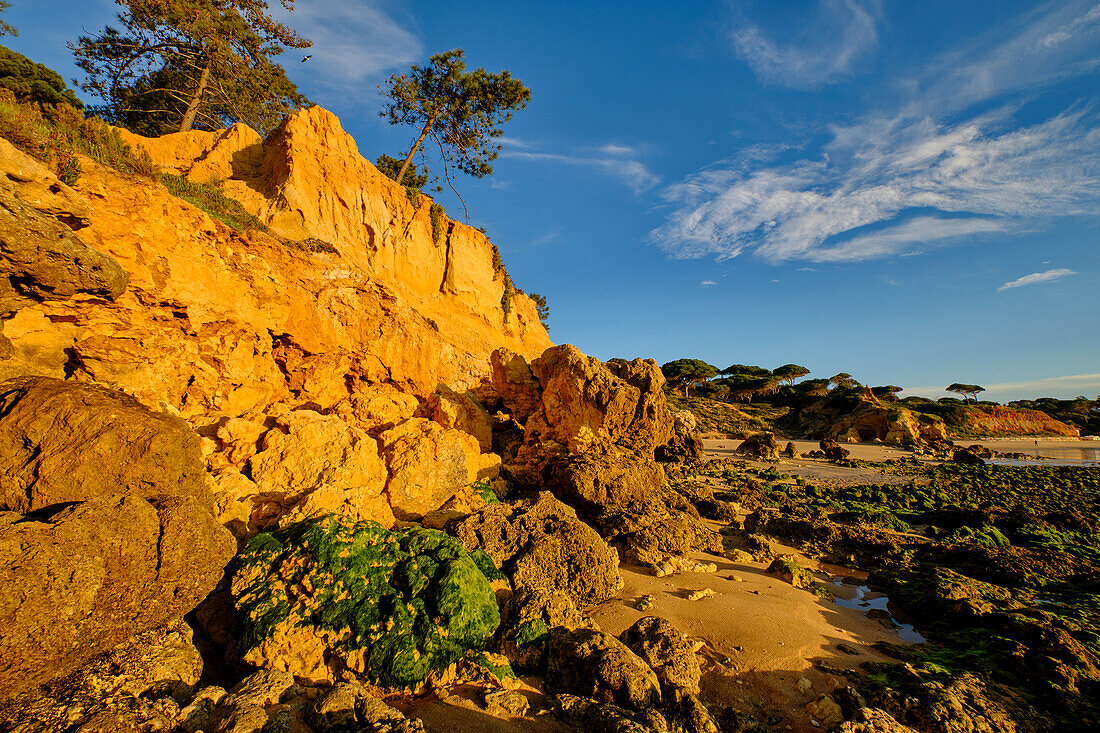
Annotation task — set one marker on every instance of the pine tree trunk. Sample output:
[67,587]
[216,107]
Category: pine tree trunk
[193,108]
[416,145]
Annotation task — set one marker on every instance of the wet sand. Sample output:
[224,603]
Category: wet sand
[818,469]
[759,635]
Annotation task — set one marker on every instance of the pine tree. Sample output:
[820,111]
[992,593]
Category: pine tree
[184,64]
[460,110]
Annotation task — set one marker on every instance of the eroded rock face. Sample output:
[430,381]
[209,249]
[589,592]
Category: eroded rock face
[542,544]
[428,464]
[585,403]
[144,679]
[70,441]
[628,500]
[761,445]
[685,443]
[667,651]
[318,464]
[599,666]
[96,573]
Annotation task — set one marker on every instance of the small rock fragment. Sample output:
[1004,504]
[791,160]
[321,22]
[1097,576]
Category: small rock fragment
[697,595]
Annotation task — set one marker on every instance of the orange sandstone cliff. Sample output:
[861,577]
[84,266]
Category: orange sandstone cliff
[326,364]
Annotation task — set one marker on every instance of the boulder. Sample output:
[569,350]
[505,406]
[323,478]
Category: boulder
[63,442]
[873,720]
[428,464]
[535,611]
[787,568]
[791,452]
[329,598]
[462,412]
[540,543]
[761,445]
[515,384]
[668,652]
[967,456]
[95,574]
[312,464]
[685,444]
[595,717]
[596,665]
[627,499]
[586,403]
[41,259]
[138,685]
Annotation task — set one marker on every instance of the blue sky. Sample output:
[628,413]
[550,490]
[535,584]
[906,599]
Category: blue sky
[909,192]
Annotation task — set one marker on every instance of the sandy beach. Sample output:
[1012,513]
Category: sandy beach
[759,635]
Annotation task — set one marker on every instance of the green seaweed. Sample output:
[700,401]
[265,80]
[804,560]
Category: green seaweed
[413,601]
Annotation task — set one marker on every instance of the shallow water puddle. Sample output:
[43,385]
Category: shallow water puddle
[868,600]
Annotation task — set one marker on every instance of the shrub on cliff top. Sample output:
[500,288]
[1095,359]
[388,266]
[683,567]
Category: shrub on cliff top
[32,82]
[403,603]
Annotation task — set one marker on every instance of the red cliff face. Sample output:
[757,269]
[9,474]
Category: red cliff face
[996,420]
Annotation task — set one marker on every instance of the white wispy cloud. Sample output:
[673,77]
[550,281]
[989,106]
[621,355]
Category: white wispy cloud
[1037,277]
[630,171]
[825,50]
[924,173]
[708,283]
[354,43]
[1070,384]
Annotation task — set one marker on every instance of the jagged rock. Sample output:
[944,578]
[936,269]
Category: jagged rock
[593,664]
[239,439]
[832,451]
[680,564]
[515,385]
[541,543]
[668,652]
[791,452]
[873,720]
[786,567]
[330,597]
[139,684]
[96,573]
[462,412]
[825,710]
[66,442]
[735,721]
[761,445]
[962,704]
[428,464]
[686,713]
[685,443]
[630,504]
[41,259]
[376,407]
[586,403]
[506,703]
[595,717]
[35,185]
[349,708]
[967,456]
[312,464]
[535,611]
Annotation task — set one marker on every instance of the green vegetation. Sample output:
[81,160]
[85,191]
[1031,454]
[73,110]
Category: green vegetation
[6,29]
[411,601]
[460,110]
[439,223]
[182,64]
[970,390]
[31,82]
[687,372]
[390,167]
[542,308]
[210,198]
[53,134]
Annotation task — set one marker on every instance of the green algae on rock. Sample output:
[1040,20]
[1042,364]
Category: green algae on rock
[330,598]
